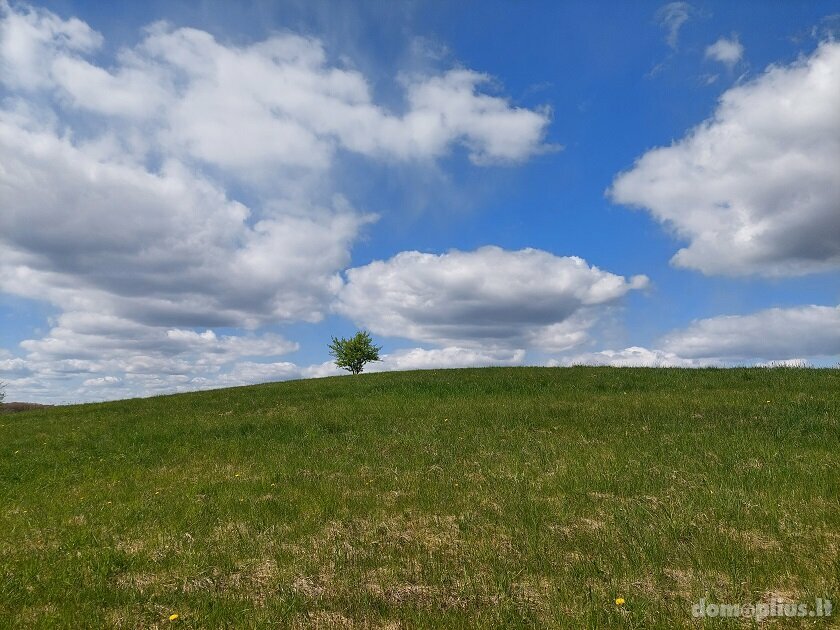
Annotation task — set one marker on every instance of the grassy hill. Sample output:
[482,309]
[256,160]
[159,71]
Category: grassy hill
[503,497]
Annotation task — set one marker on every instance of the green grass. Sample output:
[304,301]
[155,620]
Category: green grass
[502,497]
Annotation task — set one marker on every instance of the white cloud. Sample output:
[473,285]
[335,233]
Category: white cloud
[449,107]
[89,209]
[31,38]
[121,182]
[726,51]
[448,357]
[239,103]
[489,296]
[632,357]
[102,381]
[248,372]
[754,189]
[672,17]
[252,108]
[12,367]
[85,352]
[773,334]
[776,337]
[104,367]
[399,360]
[164,248]
[132,92]
[97,340]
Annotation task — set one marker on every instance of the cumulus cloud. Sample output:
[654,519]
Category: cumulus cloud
[245,372]
[726,51]
[249,372]
[85,352]
[754,189]
[776,337]
[489,296]
[168,247]
[68,366]
[12,366]
[183,183]
[30,39]
[174,230]
[132,347]
[278,102]
[102,381]
[772,334]
[448,357]
[632,357]
[672,17]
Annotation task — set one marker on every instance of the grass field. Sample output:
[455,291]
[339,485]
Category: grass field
[499,497]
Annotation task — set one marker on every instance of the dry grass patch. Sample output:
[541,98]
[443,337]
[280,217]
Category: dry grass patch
[155,546]
[430,533]
[532,594]
[330,620]
[254,580]
[687,583]
[580,525]
[145,583]
[312,587]
[751,539]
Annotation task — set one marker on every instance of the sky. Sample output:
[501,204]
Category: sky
[201,194]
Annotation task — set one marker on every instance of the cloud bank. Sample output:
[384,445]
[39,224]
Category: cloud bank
[634,356]
[487,297]
[183,183]
[767,338]
[772,334]
[754,189]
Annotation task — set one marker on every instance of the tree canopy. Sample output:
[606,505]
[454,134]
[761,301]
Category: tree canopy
[352,354]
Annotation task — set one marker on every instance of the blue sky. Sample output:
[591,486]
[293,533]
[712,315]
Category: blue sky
[201,194]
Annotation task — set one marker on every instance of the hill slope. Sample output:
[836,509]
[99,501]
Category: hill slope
[460,498]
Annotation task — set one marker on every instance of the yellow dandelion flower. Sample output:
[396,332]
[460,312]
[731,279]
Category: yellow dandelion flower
[173,617]
[619,601]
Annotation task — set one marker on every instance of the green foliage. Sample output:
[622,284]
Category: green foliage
[352,354]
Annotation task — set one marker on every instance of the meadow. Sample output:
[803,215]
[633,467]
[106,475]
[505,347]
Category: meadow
[477,498]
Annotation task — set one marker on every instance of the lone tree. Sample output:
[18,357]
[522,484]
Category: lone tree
[352,354]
